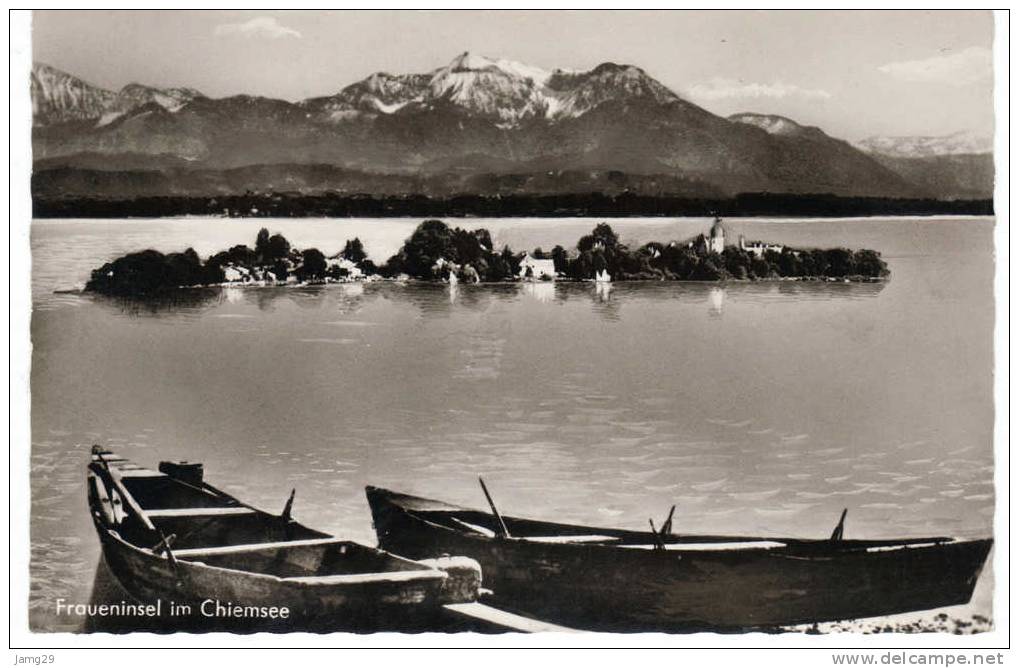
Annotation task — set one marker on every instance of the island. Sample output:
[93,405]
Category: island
[437,252]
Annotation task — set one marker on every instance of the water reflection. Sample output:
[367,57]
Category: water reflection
[603,303]
[234,295]
[186,301]
[543,292]
[716,301]
[440,300]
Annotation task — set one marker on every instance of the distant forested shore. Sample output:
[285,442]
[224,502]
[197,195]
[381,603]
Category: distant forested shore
[336,205]
[437,252]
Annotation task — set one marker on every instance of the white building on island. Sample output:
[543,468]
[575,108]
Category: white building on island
[353,271]
[539,269]
[232,274]
[758,248]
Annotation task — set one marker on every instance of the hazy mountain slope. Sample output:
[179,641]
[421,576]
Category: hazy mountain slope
[62,182]
[955,166]
[958,143]
[961,176]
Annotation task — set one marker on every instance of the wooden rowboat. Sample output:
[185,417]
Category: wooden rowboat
[171,539]
[631,581]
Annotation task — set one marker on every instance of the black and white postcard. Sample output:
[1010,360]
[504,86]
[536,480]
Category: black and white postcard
[473,324]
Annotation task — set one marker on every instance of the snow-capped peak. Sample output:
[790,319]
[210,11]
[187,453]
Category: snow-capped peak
[171,99]
[504,90]
[467,62]
[58,97]
[771,123]
[957,143]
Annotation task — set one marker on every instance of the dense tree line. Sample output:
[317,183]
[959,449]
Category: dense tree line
[691,261]
[434,244]
[435,251]
[335,205]
[150,271]
[272,259]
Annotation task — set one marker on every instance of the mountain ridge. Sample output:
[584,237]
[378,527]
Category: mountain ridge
[475,115]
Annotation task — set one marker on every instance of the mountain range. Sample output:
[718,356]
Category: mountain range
[477,125]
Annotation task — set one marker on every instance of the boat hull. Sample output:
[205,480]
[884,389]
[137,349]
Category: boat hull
[234,567]
[631,590]
[371,607]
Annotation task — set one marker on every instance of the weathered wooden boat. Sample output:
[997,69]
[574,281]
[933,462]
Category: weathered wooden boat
[631,581]
[172,539]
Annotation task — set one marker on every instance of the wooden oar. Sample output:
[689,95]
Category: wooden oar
[164,546]
[659,544]
[289,507]
[836,535]
[667,525]
[503,531]
[286,516]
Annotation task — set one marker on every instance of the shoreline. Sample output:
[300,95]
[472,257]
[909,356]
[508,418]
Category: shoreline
[417,281]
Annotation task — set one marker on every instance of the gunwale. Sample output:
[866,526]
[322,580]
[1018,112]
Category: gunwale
[616,538]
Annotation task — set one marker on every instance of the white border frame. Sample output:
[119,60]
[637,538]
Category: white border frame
[19,144]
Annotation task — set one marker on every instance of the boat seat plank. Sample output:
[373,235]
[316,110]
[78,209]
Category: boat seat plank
[503,619]
[252,547]
[141,473]
[484,531]
[112,461]
[198,512]
[369,578]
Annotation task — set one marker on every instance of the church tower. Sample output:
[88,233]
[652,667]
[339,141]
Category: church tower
[716,239]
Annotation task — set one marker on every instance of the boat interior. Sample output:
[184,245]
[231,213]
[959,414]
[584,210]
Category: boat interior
[483,524]
[204,524]
[312,558]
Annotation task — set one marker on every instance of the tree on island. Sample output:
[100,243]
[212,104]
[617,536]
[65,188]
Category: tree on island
[277,248]
[237,255]
[269,249]
[313,265]
[354,251]
[559,258]
[262,245]
[433,240]
[869,263]
[602,235]
[430,241]
[149,271]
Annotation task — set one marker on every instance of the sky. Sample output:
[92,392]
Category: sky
[854,74]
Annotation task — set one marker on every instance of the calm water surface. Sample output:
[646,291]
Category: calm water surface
[756,408]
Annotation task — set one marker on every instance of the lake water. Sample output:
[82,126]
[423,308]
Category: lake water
[755,408]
